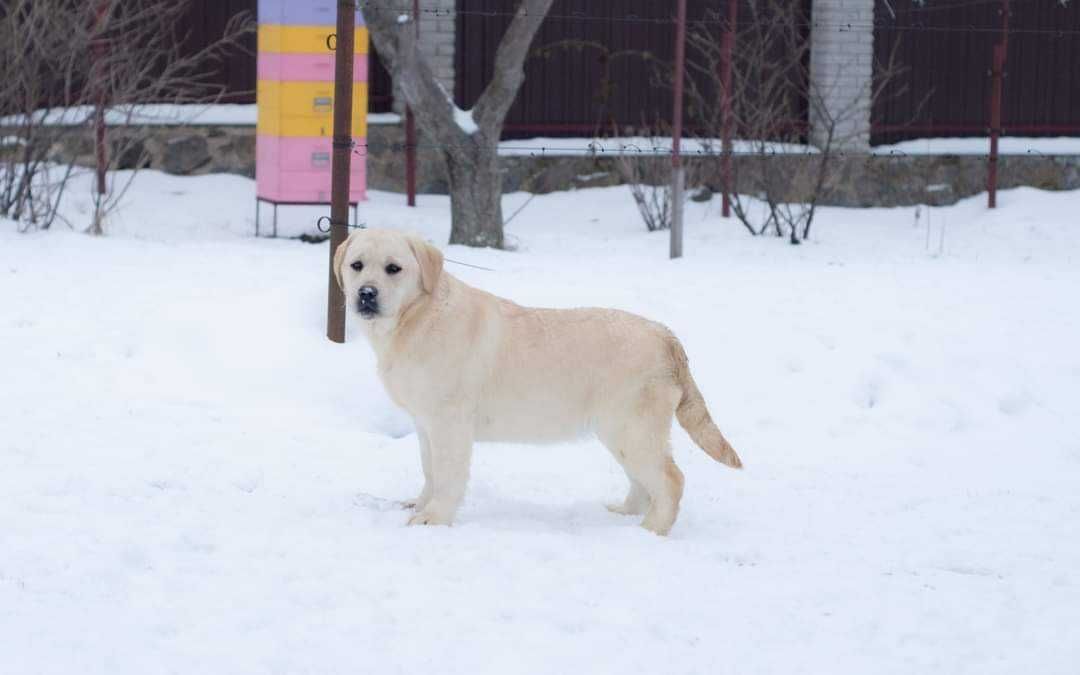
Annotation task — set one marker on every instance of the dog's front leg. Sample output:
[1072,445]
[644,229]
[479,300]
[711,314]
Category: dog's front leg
[425,460]
[450,453]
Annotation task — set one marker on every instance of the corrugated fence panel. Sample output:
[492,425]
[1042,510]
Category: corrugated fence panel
[594,63]
[203,24]
[565,90]
[1042,71]
[946,48]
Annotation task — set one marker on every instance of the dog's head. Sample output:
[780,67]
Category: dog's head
[382,272]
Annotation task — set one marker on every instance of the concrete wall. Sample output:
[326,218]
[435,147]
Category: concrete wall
[841,69]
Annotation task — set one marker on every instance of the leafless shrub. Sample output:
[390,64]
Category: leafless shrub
[784,167]
[66,66]
[644,165]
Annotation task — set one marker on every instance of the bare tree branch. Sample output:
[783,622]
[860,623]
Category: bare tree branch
[499,95]
[392,30]
[60,57]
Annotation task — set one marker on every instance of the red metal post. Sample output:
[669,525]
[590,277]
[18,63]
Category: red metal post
[995,125]
[677,173]
[997,74]
[342,160]
[727,48]
[101,151]
[410,129]
[410,156]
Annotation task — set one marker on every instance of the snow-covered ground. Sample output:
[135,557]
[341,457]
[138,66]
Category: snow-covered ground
[193,480]
[1007,145]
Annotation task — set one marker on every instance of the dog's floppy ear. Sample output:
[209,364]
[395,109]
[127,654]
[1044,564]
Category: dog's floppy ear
[431,262]
[339,259]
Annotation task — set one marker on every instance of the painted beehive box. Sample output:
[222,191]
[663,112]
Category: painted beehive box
[296,101]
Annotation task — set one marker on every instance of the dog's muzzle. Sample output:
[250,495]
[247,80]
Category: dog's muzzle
[367,301]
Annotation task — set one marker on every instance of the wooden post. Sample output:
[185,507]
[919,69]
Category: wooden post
[997,74]
[678,176]
[342,160]
[410,129]
[727,48]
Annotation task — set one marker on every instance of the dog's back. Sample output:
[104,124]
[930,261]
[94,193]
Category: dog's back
[556,371]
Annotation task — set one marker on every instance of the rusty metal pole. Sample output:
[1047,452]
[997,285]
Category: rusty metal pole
[997,74]
[410,129]
[995,126]
[727,49]
[678,175]
[342,160]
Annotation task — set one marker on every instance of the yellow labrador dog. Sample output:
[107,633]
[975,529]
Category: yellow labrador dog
[469,366]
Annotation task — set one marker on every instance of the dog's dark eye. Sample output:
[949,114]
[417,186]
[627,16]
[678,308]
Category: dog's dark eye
[392,269]
[357,265]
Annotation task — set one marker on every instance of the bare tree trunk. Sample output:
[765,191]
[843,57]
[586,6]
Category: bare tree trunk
[475,197]
[468,140]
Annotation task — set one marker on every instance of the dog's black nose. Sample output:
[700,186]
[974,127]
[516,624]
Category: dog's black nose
[368,292]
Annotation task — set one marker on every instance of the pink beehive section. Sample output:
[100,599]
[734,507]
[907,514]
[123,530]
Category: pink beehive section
[297,166]
[302,170]
[306,67]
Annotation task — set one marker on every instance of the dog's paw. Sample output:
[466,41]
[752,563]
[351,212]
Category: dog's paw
[417,504]
[420,502]
[624,510]
[426,517]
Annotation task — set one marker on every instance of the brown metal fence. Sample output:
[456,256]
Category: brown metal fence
[595,63]
[946,48]
[205,23]
[586,69]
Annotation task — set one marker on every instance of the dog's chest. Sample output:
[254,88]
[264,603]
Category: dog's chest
[391,379]
[404,384]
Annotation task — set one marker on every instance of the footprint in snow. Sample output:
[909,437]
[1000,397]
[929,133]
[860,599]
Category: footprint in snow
[373,503]
[1014,403]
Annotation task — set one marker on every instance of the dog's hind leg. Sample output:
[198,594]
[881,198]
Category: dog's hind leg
[639,437]
[636,501]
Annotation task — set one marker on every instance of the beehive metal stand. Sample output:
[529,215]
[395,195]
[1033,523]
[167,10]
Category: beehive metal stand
[273,223]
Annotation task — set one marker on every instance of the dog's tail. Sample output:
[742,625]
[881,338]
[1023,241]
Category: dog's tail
[694,416]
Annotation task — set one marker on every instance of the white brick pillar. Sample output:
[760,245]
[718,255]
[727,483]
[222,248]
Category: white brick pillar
[438,38]
[841,69]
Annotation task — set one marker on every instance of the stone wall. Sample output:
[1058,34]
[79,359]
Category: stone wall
[180,150]
[858,180]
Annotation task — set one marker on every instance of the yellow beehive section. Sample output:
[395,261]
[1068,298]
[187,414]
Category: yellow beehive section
[306,108]
[304,39]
